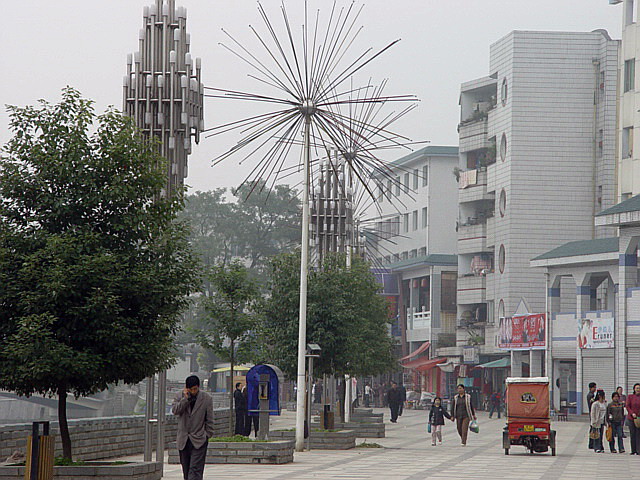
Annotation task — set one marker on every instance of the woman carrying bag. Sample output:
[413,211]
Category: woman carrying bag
[633,418]
[598,419]
[436,420]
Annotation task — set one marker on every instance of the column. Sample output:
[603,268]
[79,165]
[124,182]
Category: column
[516,363]
[583,303]
[553,307]
[535,363]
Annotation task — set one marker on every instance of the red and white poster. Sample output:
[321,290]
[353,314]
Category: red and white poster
[523,332]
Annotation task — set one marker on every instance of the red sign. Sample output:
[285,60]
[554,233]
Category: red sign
[522,332]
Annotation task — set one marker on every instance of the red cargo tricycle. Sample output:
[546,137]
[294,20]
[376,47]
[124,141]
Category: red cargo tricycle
[528,422]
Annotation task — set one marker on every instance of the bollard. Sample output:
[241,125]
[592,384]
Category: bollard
[39,464]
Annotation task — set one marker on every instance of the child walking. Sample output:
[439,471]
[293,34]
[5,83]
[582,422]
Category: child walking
[436,420]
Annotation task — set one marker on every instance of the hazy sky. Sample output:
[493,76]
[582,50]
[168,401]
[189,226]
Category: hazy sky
[84,43]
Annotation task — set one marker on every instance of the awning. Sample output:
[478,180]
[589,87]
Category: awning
[424,364]
[502,363]
[420,349]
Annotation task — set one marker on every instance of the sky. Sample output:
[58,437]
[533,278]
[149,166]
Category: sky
[84,43]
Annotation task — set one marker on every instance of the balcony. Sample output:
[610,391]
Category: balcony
[471,289]
[473,186]
[473,135]
[472,238]
[418,325]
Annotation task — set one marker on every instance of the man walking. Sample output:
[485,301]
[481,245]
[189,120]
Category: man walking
[494,400]
[194,409]
[240,404]
[590,399]
[367,395]
[394,399]
[462,411]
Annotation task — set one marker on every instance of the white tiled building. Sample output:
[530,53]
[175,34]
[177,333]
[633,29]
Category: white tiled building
[537,160]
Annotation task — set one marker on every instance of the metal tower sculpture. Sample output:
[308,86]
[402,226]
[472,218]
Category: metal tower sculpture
[163,90]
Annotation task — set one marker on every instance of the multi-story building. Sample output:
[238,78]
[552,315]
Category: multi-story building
[415,239]
[537,162]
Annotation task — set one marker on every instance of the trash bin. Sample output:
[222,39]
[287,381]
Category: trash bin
[39,453]
[327,419]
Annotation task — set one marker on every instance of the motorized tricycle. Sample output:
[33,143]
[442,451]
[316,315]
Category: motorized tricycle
[528,422]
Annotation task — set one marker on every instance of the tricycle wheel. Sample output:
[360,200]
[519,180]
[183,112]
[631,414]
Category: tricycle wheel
[506,451]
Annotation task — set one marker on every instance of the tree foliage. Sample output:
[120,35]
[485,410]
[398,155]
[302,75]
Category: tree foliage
[95,269]
[346,316]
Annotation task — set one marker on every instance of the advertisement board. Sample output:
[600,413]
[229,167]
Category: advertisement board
[596,333]
[470,355]
[522,332]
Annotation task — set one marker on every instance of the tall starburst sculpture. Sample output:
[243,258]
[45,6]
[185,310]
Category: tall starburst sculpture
[309,83]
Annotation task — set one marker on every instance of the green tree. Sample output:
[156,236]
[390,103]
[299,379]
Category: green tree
[346,316]
[94,267]
[229,315]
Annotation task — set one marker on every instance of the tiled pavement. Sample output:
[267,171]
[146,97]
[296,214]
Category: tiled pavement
[408,455]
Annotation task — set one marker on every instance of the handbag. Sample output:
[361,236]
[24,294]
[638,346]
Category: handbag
[473,426]
[594,433]
[609,433]
[429,428]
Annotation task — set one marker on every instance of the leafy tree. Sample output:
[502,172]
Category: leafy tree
[94,267]
[229,314]
[346,316]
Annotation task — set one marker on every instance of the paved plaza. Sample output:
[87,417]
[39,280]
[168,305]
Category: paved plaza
[408,455]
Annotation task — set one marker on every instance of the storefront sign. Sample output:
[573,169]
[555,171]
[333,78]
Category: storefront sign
[522,332]
[470,355]
[596,333]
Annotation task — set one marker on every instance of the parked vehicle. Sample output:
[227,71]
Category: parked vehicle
[527,412]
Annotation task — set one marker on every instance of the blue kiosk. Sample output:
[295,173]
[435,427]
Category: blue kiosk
[263,394]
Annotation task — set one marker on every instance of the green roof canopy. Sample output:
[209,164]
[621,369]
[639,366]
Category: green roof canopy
[630,205]
[434,259]
[502,363]
[582,247]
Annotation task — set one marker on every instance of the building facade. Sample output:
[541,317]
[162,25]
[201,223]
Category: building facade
[537,162]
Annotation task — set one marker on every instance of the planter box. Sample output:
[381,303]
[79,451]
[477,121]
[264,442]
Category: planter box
[277,452]
[338,440]
[361,430]
[131,471]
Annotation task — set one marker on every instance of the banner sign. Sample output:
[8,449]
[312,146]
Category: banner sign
[596,333]
[470,355]
[522,332]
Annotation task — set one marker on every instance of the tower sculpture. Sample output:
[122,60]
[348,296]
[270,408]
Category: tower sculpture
[163,90]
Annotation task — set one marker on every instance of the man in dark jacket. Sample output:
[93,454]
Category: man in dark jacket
[590,399]
[394,399]
[494,400]
[241,409]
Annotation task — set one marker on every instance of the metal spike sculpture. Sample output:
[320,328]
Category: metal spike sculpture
[163,90]
[309,81]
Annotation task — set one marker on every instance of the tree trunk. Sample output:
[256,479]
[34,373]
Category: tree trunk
[64,426]
[231,389]
[341,399]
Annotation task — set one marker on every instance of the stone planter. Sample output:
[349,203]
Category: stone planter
[97,470]
[360,429]
[338,440]
[275,452]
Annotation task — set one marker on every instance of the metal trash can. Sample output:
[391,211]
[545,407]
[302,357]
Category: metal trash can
[327,418]
[39,453]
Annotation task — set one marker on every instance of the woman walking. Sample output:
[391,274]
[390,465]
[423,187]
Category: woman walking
[598,419]
[615,419]
[436,420]
[633,414]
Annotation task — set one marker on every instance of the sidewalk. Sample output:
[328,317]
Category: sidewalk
[409,456]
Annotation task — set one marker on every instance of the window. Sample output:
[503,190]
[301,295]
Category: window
[406,182]
[396,257]
[503,202]
[413,253]
[422,252]
[405,255]
[415,179]
[504,91]
[627,142]
[389,189]
[629,74]
[425,175]
[425,218]
[405,221]
[501,258]
[503,147]
[387,259]
[395,226]
[415,219]
[397,186]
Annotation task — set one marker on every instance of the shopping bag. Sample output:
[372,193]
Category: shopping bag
[594,433]
[429,428]
[473,426]
[609,433]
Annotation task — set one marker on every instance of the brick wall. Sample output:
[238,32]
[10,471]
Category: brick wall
[99,438]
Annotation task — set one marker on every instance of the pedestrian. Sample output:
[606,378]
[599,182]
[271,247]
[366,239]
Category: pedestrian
[194,409]
[633,414]
[394,400]
[623,401]
[436,420]
[249,419]
[462,412]
[367,395]
[403,392]
[494,400]
[590,399]
[615,420]
[598,417]
[241,409]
